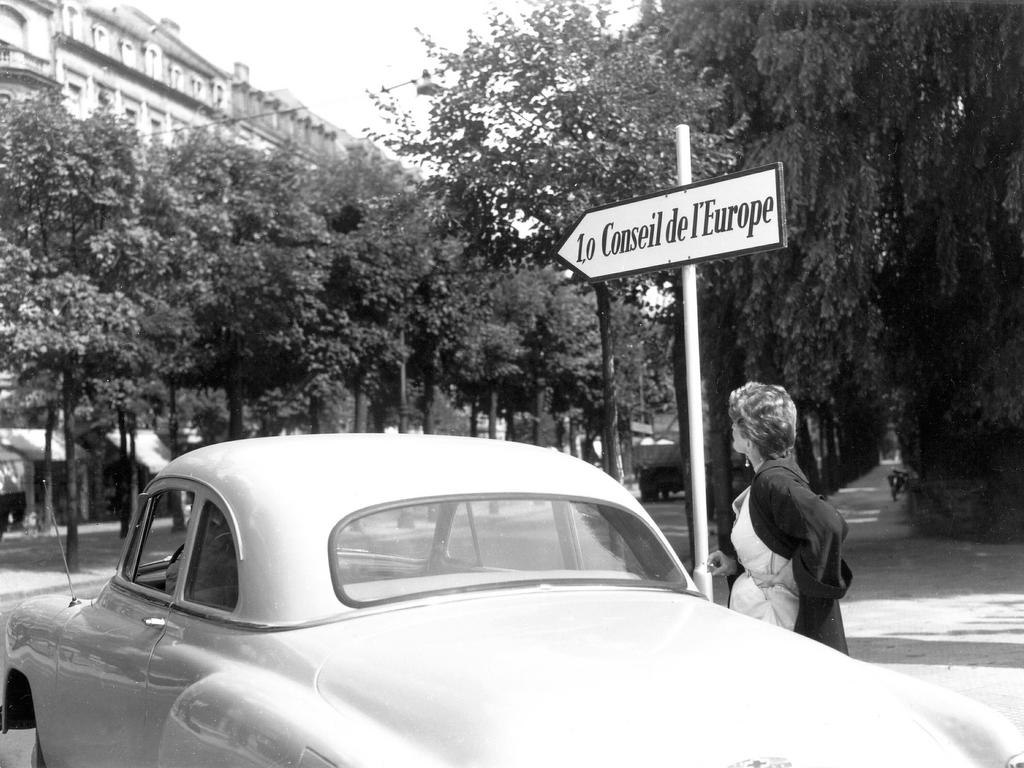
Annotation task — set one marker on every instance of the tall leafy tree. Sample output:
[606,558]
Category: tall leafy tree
[260,242]
[69,195]
[548,115]
[347,333]
[368,297]
[899,128]
[492,357]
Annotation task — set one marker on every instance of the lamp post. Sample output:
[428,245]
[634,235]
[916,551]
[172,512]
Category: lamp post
[425,86]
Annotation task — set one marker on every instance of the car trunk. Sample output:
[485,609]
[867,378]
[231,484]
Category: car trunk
[606,677]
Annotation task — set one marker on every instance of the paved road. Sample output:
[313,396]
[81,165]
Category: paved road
[948,612]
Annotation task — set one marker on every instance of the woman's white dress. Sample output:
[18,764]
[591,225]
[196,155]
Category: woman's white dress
[766,589]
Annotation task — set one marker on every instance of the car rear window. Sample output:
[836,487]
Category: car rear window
[470,543]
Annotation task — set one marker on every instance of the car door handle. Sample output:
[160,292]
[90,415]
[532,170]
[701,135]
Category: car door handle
[155,621]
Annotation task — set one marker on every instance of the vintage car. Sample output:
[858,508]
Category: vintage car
[393,600]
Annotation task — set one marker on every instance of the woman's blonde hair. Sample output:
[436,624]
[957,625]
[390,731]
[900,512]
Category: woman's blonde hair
[766,415]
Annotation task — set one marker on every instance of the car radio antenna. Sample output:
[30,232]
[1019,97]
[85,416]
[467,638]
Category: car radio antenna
[60,545]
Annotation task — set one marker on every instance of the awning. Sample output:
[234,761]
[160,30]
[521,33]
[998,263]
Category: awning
[150,450]
[30,444]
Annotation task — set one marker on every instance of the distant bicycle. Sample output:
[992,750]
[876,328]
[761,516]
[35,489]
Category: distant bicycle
[899,481]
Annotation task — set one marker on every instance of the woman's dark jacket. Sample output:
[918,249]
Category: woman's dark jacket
[797,524]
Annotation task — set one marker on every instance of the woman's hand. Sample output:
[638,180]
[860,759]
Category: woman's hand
[720,564]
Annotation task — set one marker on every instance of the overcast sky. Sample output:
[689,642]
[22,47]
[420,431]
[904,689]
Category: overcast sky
[327,52]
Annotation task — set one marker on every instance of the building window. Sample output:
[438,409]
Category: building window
[198,89]
[154,64]
[177,78]
[127,53]
[100,40]
[12,27]
[73,99]
[5,99]
[218,96]
[72,22]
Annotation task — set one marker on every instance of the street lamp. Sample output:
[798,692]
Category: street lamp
[425,86]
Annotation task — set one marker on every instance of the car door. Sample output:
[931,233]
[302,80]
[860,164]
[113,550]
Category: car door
[200,637]
[104,650]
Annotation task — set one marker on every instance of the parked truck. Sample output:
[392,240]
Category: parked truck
[659,472]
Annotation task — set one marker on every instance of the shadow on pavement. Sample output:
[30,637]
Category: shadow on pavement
[902,650]
[99,546]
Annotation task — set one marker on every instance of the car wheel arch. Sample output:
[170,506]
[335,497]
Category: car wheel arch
[18,705]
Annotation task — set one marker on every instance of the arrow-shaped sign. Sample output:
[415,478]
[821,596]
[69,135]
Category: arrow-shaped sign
[713,219]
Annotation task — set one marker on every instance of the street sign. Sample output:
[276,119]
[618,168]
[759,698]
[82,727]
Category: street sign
[712,219]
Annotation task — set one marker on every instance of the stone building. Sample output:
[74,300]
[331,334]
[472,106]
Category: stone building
[96,55]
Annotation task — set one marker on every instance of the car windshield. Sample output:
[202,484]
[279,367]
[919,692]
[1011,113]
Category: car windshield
[465,543]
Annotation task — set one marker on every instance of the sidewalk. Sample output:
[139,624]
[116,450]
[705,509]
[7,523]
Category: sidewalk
[34,565]
[948,612]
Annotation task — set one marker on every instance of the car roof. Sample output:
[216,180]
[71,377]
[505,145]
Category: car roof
[286,494]
[385,467]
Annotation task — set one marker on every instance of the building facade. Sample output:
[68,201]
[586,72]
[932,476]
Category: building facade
[98,56]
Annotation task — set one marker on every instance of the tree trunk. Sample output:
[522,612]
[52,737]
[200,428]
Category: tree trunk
[474,412]
[805,455]
[177,513]
[830,457]
[429,391]
[403,387]
[359,405]
[722,367]
[69,400]
[133,466]
[611,455]
[97,488]
[172,420]
[720,456]
[538,411]
[377,412]
[121,489]
[315,410]
[492,413]
[236,429]
[46,519]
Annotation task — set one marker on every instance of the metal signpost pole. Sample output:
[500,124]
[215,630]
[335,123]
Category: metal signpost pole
[694,401]
[725,217]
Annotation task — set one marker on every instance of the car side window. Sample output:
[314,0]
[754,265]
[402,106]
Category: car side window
[213,576]
[162,540]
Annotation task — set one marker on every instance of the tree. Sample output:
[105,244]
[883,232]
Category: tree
[899,129]
[69,202]
[367,295]
[260,244]
[347,327]
[551,114]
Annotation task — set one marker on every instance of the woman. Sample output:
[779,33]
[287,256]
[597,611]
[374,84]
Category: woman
[786,542]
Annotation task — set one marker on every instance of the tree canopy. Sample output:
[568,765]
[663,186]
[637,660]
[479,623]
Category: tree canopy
[899,128]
